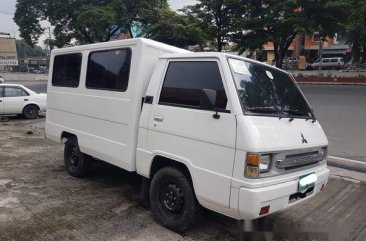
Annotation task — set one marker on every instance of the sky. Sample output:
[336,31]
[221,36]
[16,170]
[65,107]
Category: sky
[7,9]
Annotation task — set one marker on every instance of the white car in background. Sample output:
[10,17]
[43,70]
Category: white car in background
[18,99]
[2,81]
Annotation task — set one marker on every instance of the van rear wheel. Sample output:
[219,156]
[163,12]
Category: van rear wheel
[172,199]
[77,163]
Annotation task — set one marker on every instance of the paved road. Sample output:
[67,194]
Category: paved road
[40,87]
[341,111]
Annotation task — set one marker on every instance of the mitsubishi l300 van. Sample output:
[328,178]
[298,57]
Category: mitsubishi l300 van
[203,129]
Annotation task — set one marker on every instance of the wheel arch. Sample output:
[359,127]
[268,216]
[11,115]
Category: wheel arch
[34,104]
[160,161]
[66,135]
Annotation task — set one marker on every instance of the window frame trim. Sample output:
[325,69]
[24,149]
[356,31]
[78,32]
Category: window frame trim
[205,59]
[53,69]
[14,87]
[107,50]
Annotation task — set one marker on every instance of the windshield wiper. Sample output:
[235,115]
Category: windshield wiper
[263,109]
[311,118]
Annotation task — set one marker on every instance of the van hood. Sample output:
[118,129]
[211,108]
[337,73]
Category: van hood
[274,134]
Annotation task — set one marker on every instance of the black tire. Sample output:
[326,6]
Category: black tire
[172,199]
[31,111]
[77,163]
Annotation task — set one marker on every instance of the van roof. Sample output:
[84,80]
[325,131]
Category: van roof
[214,55]
[121,43]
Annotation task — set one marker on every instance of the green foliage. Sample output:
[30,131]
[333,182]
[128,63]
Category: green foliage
[217,17]
[172,28]
[84,21]
[24,50]
[356,29]
[280,22]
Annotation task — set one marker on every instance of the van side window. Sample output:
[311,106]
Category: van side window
[66,70]
[184,81]
[109,70]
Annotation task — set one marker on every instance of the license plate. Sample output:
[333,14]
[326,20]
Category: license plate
[306,182]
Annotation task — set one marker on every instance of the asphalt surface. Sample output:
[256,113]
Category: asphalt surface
[340,109]
[40,201]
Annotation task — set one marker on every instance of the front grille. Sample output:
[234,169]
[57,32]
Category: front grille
[299,160]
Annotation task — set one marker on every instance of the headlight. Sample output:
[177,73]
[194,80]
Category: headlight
[256,164]
[265,163]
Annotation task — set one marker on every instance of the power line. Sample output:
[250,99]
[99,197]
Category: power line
[6,13]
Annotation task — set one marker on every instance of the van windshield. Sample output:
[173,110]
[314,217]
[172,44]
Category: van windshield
[264,90]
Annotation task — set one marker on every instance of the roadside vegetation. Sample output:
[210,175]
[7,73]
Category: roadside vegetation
[207,25]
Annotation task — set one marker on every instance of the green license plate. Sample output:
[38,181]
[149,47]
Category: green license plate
[306,182]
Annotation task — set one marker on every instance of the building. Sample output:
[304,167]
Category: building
[8,52]
[308,46]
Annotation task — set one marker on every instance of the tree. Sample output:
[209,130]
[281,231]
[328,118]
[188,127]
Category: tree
[280,21]
[24,50]
[85,21]
[356,29]
[172,28]
[217,18]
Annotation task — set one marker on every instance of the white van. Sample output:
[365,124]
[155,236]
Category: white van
[329,63]
[204,129]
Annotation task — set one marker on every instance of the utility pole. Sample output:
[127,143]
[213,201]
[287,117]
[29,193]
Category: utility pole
[49,39]
[321,56]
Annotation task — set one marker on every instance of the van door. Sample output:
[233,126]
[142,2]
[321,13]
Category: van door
[326,63]
[180,129]
[15,98]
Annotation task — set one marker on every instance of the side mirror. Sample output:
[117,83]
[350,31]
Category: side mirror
[208,101]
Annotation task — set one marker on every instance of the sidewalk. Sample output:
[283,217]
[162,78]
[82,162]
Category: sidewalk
[331,80]
[24,77]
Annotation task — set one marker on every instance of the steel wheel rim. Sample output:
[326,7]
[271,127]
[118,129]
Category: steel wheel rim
[171,199]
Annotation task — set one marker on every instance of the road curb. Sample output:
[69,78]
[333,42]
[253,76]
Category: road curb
[348,164]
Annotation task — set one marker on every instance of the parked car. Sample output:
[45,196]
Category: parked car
[291,62]
[17,99]
[329,63]
[2,81]
[203,129]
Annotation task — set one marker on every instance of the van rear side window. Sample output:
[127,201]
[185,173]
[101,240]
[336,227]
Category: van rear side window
[66,70]
[109,70]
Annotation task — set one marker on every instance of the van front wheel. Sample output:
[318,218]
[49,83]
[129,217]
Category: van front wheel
[76,163]
[172,199]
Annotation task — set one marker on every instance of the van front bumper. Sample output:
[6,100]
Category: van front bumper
[277,196]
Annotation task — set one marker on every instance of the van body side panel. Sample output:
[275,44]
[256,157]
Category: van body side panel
[101,119]
[208,145]
[105,122]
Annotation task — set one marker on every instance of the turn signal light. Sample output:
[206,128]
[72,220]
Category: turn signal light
[252,165]
[253,160]
[264,210]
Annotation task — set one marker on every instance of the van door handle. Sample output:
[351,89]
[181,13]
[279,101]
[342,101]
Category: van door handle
[158,118]
[25,99]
